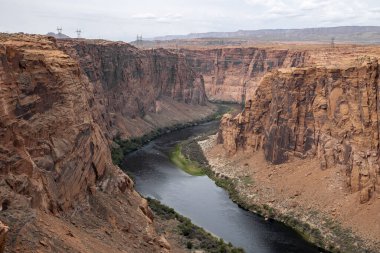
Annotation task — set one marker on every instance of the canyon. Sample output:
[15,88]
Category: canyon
[308,109]
[300,119]
[330,113]
[232,74]
[62,103]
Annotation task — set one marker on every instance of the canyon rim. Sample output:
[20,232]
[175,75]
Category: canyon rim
[300,144]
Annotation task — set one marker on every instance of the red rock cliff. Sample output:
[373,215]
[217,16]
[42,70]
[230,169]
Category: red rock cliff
[130,83]
[233,74]
[60,191]
[328,113]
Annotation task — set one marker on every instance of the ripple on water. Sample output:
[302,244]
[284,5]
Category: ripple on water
[207,205]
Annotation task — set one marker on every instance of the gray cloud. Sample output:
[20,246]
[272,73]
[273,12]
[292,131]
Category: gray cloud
[144,16]
[375,10]
[123,19]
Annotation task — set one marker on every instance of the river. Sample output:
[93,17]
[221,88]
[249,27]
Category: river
[207,205]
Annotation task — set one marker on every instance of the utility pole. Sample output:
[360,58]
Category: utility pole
[139,40]
[78,31]
[333,42]
[59,30]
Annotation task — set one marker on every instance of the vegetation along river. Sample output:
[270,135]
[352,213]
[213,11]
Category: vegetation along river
[207,205]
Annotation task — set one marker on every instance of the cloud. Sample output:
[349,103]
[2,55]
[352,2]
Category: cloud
[145,16]
[281,10]
[167,18]
[155,18]
[275,9]
[267,3]
[309,5]
[375,10]
[171,17]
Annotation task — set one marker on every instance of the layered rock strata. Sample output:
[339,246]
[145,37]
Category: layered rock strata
[233,74]
[60,106]
[327,113]
[131,85]
[3,236]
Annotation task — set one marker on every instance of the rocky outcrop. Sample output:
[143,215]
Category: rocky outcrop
[60,105]
[328,113]
[233,74]
[130,84]
[47,129]
[3,236]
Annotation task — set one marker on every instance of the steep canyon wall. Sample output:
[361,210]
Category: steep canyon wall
[233,74]
[61,103]
[131,84]
[329,113]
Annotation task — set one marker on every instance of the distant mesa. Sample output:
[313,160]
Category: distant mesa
[58,35]
[356,34]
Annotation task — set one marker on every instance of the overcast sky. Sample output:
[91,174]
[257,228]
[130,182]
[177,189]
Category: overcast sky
[123,19]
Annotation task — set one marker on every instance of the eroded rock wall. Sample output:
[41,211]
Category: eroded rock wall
[47,128]
[61,103]
[328,113]
[233,74]
[3,236]
[130,83]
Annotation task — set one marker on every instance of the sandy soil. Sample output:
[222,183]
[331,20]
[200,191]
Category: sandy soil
[300,188]
[168,229]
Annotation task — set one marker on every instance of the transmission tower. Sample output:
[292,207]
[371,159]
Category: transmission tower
[139,40]
[332,42]
[59,30]
[78,31]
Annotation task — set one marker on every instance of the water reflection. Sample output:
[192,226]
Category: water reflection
[203,202]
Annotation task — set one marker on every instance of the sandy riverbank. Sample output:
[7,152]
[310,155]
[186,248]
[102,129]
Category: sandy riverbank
[323,211]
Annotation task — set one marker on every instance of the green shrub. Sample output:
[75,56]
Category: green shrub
[187,165]
[196,236]
[129,145]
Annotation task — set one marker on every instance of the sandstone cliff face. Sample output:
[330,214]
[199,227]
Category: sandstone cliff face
[233,74]
[47,130]
[3,236]
[60,191]
[328,113]
[130,84]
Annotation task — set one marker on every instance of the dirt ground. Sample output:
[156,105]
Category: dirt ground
[298,187]
[168,229]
